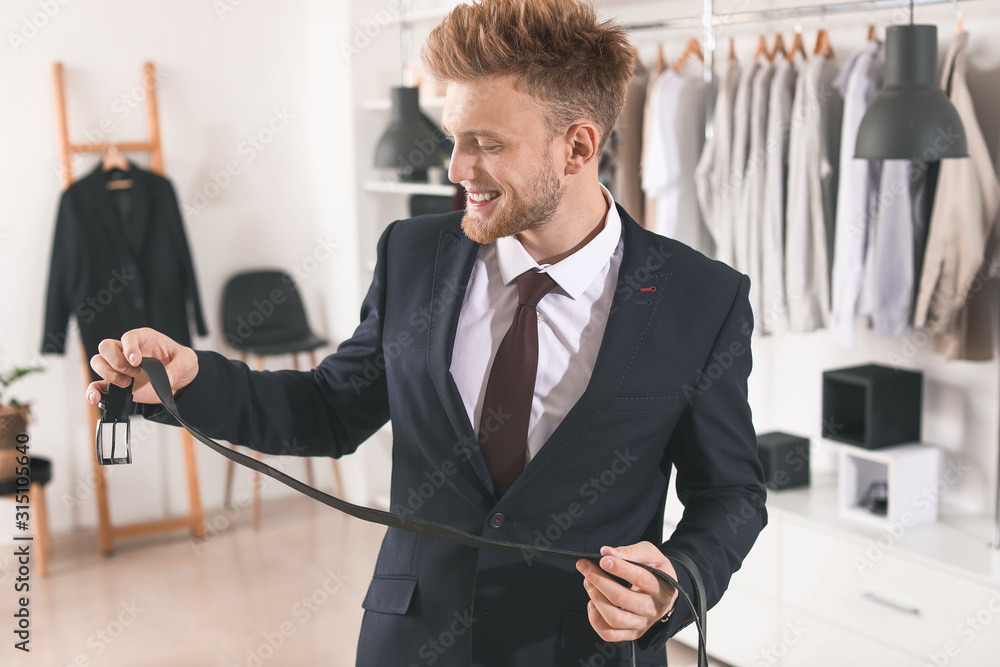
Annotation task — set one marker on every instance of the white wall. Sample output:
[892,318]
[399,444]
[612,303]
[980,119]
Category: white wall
[223,76]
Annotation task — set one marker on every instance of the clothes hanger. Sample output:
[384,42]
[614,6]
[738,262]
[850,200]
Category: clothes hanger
[778,49]
[761,47]
[692,48]
[959,24]
[871,33]
[823,48]
[732,50]
[797,45]
[661,60]
[112,160]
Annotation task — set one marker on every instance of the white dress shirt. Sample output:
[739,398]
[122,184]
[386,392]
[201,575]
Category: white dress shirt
[771,286]
[732,189]
[813,158]
[672,147]
[711,177]
[890,262]
[857,193]
[571,322]
[751,212]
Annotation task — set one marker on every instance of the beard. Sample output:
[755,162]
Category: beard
[514,213]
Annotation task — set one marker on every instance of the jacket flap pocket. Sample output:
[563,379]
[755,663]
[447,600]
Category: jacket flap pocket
[648,402]
[390,595]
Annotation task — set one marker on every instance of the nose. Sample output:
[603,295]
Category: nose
[462,167]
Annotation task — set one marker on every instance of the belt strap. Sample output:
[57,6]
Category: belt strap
[161,385]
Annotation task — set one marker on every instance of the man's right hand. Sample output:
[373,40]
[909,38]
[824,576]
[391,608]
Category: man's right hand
[118,362]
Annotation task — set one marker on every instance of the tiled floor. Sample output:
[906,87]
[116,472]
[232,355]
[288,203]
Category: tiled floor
[289,594]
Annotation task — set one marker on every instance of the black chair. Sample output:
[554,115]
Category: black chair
[41,474]
[263,316]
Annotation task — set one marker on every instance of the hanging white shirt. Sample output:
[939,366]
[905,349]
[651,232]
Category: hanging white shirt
[751,211]
[771,285]
[673,144]
[900,226]
[571,322]
[732,188]
[857,194]
[813,155]
[712,172]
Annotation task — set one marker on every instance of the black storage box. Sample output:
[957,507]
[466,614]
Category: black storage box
[872,406]
[785,459]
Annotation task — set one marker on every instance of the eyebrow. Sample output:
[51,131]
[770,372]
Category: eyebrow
[489,134]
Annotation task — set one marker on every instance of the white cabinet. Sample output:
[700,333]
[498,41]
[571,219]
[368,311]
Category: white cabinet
[818,590]
[813,642]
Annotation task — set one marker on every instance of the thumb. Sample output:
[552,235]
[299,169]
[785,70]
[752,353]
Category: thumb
[635,552]
[175,371]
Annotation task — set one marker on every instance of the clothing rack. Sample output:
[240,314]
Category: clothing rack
[195,519]
[709,21]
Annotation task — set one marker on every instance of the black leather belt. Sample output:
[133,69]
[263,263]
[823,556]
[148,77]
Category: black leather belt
[161,385]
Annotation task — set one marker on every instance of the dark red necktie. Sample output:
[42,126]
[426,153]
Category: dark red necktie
[503,425]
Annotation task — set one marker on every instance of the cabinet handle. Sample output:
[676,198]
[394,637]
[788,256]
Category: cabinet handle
[897,602]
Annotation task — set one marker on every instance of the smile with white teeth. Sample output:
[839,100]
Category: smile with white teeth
[480,198]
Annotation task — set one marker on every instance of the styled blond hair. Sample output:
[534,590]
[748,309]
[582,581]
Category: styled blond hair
[556,50]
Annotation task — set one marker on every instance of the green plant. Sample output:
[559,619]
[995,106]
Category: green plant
[8,379]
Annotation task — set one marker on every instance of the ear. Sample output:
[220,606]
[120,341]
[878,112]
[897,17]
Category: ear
[582,141]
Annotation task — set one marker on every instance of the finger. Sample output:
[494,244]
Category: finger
[111,350]
[94,391]
[132,343]
[637,602]
[176,368]
[639,577]
[605,631]
[104,369]
[616,617]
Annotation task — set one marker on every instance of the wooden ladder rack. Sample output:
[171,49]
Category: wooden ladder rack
[107,532]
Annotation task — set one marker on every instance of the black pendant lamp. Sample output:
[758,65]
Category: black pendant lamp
[409,144]
[911,118]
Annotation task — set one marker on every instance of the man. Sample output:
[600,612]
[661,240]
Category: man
[546,361]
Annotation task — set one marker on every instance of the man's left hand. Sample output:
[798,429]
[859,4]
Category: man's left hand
[619,613]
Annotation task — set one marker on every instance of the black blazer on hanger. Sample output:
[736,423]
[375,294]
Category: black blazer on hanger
[115,272]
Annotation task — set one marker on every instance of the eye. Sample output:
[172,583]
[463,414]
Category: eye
[488,149]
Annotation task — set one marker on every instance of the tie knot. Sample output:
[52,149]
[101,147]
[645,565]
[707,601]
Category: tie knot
[532,286]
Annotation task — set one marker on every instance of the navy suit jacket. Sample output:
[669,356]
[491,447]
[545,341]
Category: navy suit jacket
[668,391]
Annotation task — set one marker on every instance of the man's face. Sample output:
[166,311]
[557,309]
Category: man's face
[503,157]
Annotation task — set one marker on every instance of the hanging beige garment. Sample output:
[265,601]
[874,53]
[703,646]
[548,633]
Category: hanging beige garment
[953,300]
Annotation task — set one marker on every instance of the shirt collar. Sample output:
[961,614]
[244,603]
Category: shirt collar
[575,273]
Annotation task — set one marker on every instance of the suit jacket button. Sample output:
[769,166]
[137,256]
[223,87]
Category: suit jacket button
[497,520]
[139,302]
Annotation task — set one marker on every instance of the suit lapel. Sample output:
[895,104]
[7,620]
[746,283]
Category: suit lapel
[456,256]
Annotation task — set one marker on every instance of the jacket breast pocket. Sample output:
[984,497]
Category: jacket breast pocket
[390,595]
[662,401]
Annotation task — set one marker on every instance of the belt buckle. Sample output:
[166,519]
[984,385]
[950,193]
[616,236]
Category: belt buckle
[115,410]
